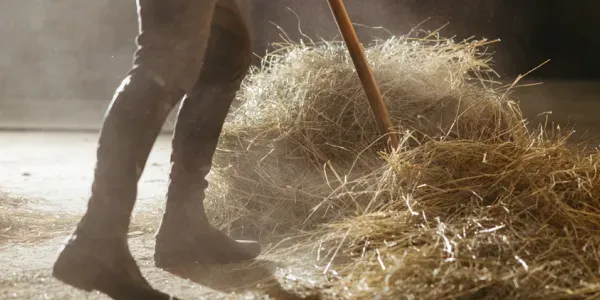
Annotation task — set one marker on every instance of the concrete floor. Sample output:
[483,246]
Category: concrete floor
[54,172]
[58,167]
[571,103]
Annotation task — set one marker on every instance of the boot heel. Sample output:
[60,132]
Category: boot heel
[74,272]
[166,260]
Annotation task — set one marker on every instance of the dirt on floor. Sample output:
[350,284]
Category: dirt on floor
[30,241]
[45,182]
[25,274]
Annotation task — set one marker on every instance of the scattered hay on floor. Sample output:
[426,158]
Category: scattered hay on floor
[19,223]
[474,220]
[473,205]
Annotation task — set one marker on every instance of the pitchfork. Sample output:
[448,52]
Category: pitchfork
[364,71]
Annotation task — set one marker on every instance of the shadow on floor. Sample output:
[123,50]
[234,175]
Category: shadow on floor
[256,276]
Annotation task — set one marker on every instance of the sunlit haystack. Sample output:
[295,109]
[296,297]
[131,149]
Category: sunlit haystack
[305,108]
[474,219]
[471,205]
[308,100]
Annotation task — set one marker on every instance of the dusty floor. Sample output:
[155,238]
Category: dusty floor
[53,171]
[31,162]
[25,274]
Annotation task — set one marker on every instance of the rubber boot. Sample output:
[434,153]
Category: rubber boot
[96,256]
[185,235]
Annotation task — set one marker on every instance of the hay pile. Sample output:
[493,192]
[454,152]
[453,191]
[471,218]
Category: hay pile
[471,206]
[303,118]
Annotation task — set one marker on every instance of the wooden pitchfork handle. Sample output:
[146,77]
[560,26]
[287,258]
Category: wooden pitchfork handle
[364,71]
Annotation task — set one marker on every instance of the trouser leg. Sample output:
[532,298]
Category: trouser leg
[185,234]
[204,110]
[171,46]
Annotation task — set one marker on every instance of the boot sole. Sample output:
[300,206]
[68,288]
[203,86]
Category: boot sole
[215,248]
[167,260]
[87,274]
[171,260]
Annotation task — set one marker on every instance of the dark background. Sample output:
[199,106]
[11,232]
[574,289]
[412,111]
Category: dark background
[566,32]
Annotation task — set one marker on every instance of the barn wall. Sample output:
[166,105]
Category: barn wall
[62,59]
[63,49]
[71,49]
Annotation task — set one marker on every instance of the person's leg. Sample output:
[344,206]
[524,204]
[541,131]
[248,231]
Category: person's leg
[171,46]
[185,235]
